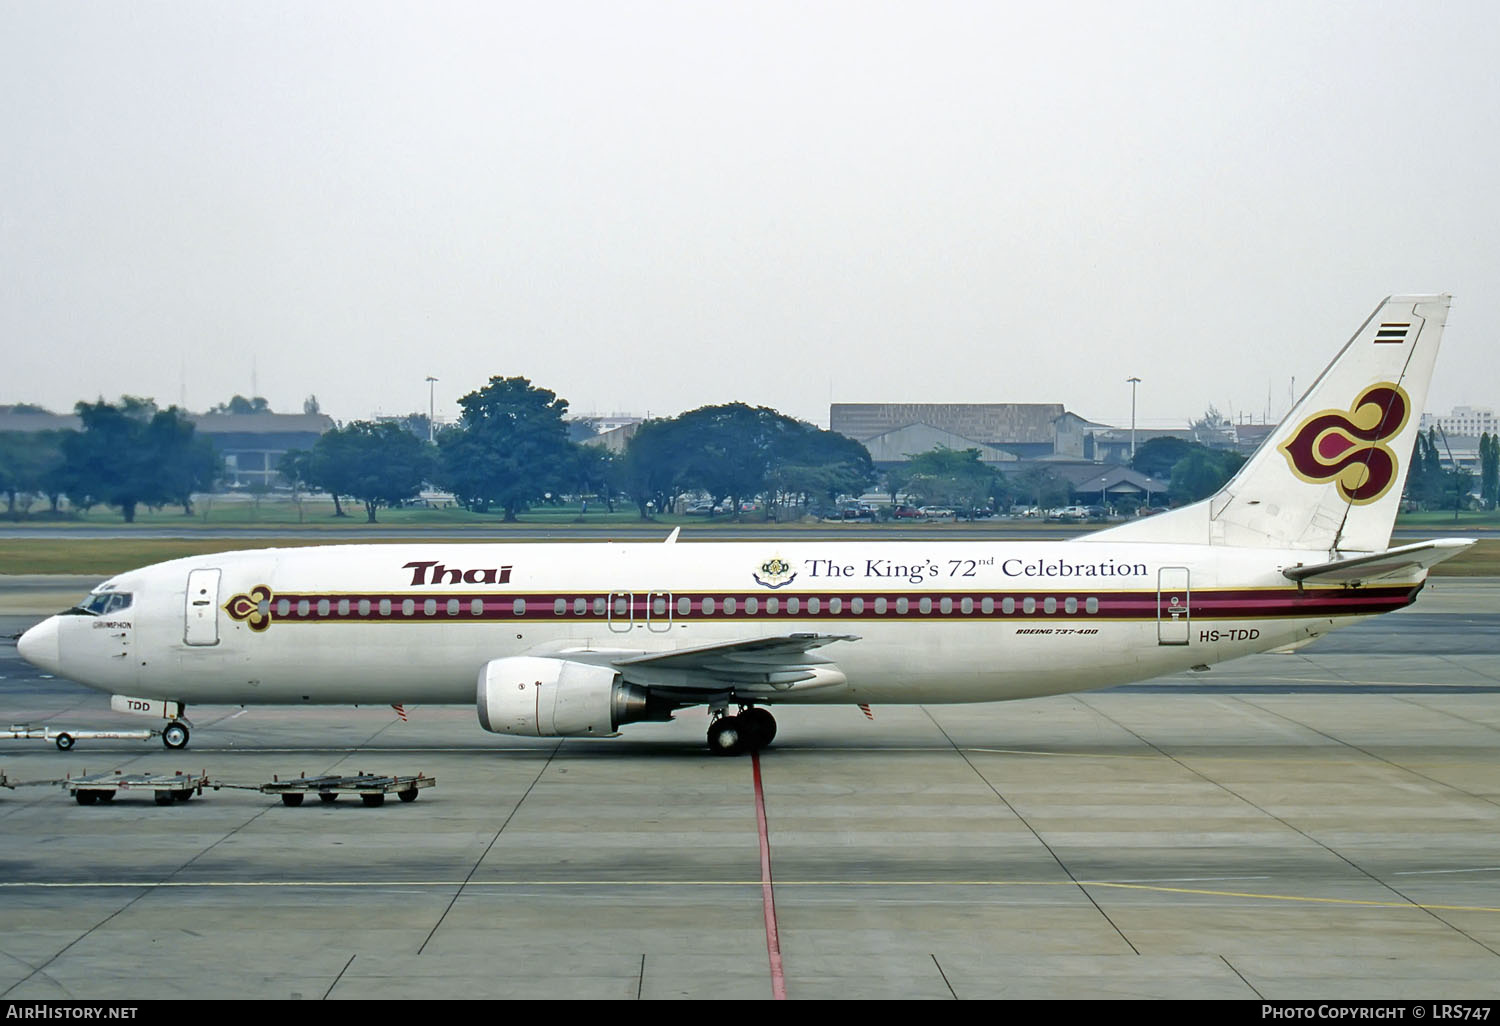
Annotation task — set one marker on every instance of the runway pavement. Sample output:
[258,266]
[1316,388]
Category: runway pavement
[1310,826]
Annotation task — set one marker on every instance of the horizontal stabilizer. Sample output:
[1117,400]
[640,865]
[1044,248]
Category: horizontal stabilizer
[1359,569]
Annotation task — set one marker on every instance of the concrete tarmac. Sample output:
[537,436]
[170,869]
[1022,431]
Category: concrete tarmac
[1310,826]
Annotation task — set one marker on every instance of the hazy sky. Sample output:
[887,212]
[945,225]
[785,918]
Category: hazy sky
[650,206]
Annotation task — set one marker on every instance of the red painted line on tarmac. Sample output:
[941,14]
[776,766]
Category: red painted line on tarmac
[767,894]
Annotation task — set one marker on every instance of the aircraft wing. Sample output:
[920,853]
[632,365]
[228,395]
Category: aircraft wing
[769,664]
[1361,569]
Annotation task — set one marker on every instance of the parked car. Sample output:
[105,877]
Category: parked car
[936,512]
[906,513]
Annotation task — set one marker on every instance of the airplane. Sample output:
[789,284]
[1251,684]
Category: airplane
[581,639]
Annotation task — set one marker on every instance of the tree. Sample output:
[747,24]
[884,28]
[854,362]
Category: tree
[808,461]
[1489,470]
[1040,485]
[240,405]
[1202,472]
[652,461]
[185,461]
[1157,456]
[950,477]
[112,460]
[29,461]
[510,447]
[594,472]
[377,464]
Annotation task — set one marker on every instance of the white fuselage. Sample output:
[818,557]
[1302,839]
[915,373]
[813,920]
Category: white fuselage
[934,621]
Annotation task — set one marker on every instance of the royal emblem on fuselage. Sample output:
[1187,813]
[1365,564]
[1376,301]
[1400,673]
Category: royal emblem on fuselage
[253,609]
[1348,446]
[774,573]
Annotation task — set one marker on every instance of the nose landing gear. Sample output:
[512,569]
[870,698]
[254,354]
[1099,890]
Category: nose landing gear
[175,734]
[750,731]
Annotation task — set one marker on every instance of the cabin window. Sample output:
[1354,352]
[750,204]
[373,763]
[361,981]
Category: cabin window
[902,605]
[814,606]
[707,607]
[1049,605]
[1091,605]
[323,607]
[600,605]
[880,606]
[659,606]
[364,607]
[987,605]
[730,605]
[343,607]
[385,607]
[773,605]
[752,606]
[1028,605]
[408,607]
[453,607]
[925,604]
[284,607]
[835,605]
[945,605]
[476,607]
[429,607]
[856,606]
[303,607]
[684,606]
[794,606]
[1070,605]
[622,607]
[966,606]
[559,606]
[518,607]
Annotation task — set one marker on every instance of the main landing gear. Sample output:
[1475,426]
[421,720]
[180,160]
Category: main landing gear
[750,731]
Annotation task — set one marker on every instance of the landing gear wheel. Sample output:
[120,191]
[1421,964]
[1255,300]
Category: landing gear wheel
[64,742]
[761,726]
[727,736]
[175,735]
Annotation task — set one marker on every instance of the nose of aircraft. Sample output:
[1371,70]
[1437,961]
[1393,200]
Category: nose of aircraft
[39,646]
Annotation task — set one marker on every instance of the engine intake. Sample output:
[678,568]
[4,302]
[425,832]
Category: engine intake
[541,697]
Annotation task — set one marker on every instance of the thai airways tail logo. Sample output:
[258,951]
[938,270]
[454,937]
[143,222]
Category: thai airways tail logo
[1348,446]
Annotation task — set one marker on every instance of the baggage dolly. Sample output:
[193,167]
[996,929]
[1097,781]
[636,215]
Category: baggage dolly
[370,787]
[165,788]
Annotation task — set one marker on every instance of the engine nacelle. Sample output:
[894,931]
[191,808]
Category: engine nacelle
[542,697]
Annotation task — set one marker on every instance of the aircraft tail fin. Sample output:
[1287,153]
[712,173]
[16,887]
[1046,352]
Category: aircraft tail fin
[1330,476]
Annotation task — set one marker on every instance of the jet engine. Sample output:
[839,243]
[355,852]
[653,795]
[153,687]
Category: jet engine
[541,697]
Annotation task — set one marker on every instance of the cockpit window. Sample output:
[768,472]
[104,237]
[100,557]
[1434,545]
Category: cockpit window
[103,603]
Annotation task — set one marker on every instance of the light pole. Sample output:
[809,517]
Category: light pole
[430,381]
[1133,383]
